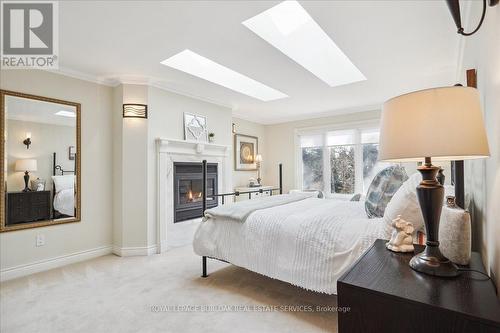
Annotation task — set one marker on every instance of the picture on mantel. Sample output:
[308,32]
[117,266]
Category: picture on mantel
[195,128]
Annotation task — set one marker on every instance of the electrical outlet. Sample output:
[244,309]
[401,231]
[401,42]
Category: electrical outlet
[40,240]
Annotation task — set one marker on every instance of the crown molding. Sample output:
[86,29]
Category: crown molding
[82,76]
[135,80]
[325,114]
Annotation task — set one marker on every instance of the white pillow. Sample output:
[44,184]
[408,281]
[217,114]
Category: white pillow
[405,203]
[63,182]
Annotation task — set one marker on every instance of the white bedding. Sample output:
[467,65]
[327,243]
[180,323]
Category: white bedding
[64,201]
[308,243]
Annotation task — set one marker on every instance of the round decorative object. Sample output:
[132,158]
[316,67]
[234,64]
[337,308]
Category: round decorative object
[383,187]
[246,153]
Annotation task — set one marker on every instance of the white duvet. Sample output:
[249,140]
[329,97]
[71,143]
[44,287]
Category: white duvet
[308,243]
[64,202]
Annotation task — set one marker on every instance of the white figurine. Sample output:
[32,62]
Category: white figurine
[401,239]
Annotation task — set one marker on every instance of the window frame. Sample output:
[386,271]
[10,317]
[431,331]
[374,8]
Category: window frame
[358,127]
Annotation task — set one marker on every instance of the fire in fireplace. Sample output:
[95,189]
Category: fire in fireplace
[188,187]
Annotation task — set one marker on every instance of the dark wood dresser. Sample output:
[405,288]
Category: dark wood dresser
[24,207]
[385,295]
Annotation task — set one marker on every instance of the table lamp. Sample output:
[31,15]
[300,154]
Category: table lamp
[26,166]
[441,124]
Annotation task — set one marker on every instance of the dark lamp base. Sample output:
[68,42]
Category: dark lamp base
[432,262]
[430,194]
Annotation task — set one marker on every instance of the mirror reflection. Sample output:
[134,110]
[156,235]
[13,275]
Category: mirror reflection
[40,157]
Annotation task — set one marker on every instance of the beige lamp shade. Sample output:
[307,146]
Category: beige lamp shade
[26,165]
[442,123]
[258,158]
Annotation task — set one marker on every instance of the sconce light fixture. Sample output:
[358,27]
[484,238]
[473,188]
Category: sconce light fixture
[233,128]
[27,141]
[135,111]
[454,7]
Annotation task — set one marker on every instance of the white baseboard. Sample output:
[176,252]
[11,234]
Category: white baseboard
[46,264]
[134,251]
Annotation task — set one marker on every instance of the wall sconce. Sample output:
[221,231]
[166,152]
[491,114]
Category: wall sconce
[135,111]
[27,141]
[454,7]
[233,128]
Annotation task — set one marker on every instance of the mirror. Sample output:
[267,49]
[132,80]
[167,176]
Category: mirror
[40,154]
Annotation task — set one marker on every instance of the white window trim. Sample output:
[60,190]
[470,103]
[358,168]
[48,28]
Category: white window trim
[323,129]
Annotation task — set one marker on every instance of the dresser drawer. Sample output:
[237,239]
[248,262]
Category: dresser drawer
[23,207]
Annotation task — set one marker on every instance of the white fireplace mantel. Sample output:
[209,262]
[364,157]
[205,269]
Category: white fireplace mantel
[170,151]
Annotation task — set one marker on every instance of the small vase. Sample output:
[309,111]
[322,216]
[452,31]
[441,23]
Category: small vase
[211,139]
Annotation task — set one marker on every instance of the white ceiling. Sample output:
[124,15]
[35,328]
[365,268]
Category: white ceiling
[398,45]
[25,109]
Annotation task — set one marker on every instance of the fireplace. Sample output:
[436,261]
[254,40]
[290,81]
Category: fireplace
[187,189]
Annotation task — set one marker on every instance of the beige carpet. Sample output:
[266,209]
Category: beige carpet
[113,294]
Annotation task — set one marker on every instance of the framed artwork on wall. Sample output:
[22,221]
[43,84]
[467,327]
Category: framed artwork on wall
[195,127]
[245,149]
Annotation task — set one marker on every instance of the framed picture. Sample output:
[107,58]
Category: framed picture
[245,149]
[195,127]
[38,185]
[71,153]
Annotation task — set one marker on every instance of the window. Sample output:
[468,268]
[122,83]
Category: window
[340,162]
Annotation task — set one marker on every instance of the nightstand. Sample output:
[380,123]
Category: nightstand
[23,207]
[251,195]
[385,295]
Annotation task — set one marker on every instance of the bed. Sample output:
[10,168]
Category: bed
[303,240]
[308,243]
[63,190]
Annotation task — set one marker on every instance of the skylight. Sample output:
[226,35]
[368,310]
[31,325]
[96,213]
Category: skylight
[290,29]
[197,65]
[63,113]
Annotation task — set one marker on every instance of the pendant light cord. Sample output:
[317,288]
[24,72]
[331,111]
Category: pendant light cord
[461,30]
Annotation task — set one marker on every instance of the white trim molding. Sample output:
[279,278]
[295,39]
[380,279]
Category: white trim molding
[169,151]
[51,263]
[134,251]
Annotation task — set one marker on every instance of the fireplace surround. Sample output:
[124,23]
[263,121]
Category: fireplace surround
[170,151]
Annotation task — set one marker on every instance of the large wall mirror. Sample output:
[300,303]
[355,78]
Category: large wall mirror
[41,167]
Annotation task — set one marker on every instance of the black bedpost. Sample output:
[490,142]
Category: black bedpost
[204,207]
[204,186]
[204,267]
[281,178]
[458,182]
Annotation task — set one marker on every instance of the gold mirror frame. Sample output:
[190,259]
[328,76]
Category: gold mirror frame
[78,165]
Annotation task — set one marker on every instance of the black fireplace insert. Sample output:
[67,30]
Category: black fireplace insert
[188,189]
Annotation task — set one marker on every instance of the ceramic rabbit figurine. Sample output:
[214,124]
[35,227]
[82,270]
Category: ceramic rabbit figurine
[401,239]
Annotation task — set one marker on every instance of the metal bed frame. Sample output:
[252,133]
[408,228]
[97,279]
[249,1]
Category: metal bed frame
[223,196]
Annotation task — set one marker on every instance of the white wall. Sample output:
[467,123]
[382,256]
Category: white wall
[482,52]
[166,120]
[94,231]
[240,178]
[46,139]
[132,186]
[280,147]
